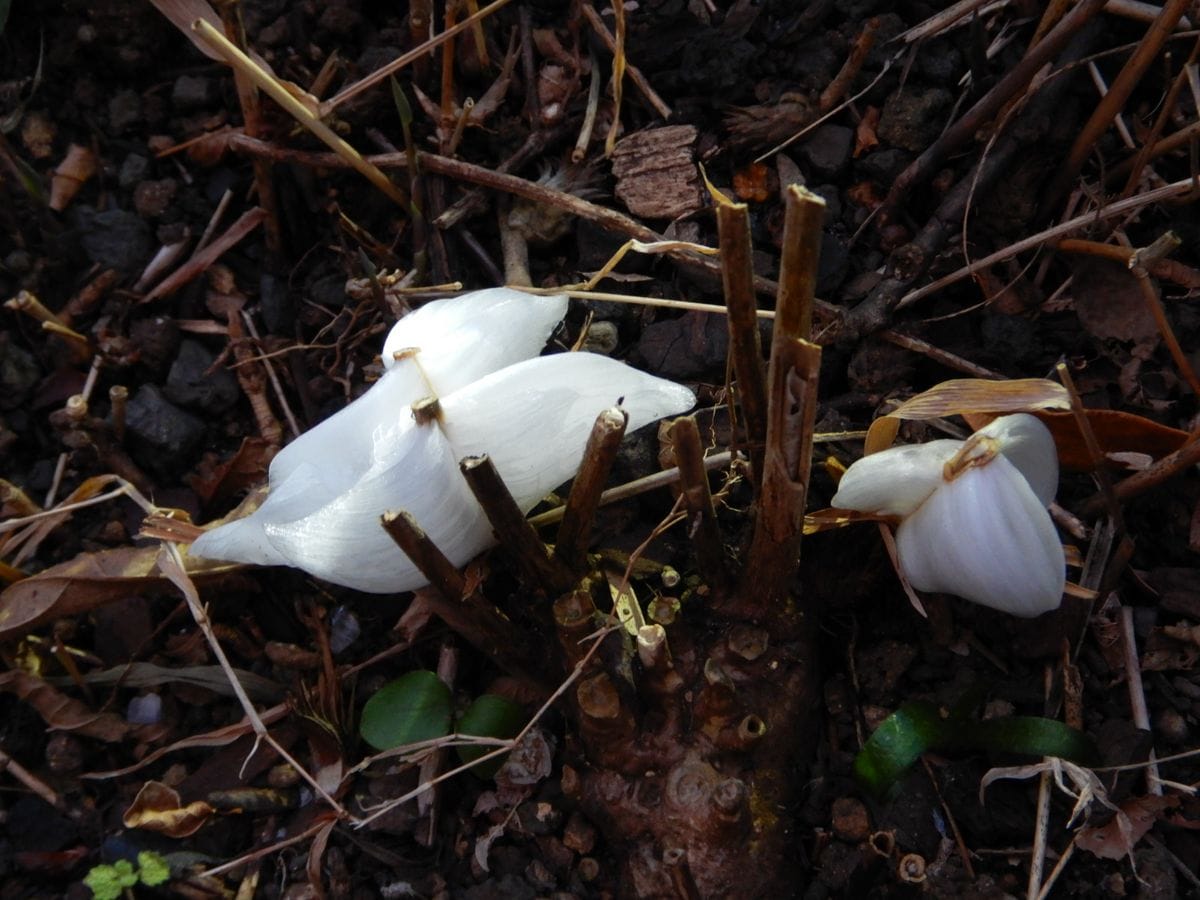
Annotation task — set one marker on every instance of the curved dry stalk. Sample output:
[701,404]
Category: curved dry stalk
[170,563]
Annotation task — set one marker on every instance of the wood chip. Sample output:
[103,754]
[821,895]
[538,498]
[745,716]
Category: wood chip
[656,173]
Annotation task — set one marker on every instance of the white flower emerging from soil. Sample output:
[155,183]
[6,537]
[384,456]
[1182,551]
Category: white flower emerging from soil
[973,513]
[329,487]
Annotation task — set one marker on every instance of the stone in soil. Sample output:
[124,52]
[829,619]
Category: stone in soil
[192,92]
[163,434]
[19,372]
[827,152]
[191,384]
[685,347]
[152,198]
[133,170]
[115,238]
[913,118]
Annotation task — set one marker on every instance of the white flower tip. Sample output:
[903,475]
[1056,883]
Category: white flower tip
[499,317]
[241,540]
[1027,443]
[987,537]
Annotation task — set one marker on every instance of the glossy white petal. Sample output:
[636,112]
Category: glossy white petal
[464,338]
[987,537]
[895,481]
[1028,445]
[458,340]
[343,541]
[533,418]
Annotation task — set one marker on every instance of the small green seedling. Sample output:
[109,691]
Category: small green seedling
[419,707]
[109,882]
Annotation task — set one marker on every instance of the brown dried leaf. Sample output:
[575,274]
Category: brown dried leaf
[60,712]
[1109,303]
[1117,839]
[974,395]
[220,481]
[157,808]
[86,582]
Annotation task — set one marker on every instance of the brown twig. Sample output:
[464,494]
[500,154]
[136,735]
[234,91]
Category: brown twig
[792,392]
[1138,483]
[400,62]
[703,529]
[598,456]
[443,575]
[203,260]
[1112,102]
[466,613]
[248,99]
[539,567]
[634,73]
[987,106]
[745,345]
[1138,266]
[836,89]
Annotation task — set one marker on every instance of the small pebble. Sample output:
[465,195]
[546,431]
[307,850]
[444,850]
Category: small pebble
[144,710]
[344,629]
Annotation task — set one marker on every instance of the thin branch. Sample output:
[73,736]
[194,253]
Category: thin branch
[745,345]
[539,567]
[598,456]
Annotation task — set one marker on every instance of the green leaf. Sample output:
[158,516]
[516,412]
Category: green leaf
[898,743]
[918,727]
[5,6]
[403,109]
[489,716]
[104,883]
[153,868]
[415,707]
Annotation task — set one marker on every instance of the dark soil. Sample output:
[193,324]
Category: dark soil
[155,117]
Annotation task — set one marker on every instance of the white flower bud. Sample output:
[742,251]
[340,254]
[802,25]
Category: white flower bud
[974,520]
[532,417]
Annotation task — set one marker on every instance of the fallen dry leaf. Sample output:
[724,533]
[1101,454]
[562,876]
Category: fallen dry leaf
[84,583]
[60,712]
[1117,839]
[967,397]
[158,808]
[1110,305]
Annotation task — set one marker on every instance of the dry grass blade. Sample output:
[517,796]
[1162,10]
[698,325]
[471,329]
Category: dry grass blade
[972,395]
[170,563]
[270,85]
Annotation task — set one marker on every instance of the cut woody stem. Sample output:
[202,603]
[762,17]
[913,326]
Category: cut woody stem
[537,565]
[584,499]
[792,386]
[745,347]
[467,614]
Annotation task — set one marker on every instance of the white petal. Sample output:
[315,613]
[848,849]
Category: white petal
[1028,445]
[460,340]
[985,536]
[464,338]
[894,482]
[242,540]
[533,418]
[343,541]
